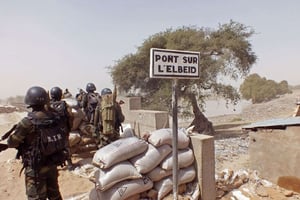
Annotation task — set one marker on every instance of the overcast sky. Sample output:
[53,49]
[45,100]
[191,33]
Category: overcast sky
[69,43]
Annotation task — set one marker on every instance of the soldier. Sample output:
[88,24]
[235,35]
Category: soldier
[40,140]
[110,117]
[90,102]
[65,112]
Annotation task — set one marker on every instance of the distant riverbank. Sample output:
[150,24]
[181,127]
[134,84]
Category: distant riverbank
[219,107]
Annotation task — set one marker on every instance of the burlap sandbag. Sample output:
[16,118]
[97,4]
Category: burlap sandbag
[127,131]
[74,138]
[165,136]
[165,186]
[106,178]
[151,158]
[185,159]
[158,173]
[79,116]
[119,150]
[123,190]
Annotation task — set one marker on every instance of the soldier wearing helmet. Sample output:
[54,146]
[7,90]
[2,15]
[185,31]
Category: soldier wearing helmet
[90,101]
[41,174]
[90,104]
[110,117]
[65,112]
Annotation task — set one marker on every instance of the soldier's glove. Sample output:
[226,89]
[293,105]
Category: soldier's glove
[3,147]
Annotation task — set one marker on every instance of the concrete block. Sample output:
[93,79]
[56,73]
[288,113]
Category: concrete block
[143,121]
[204,151]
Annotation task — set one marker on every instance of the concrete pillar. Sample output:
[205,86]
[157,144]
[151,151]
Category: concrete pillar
[204,152]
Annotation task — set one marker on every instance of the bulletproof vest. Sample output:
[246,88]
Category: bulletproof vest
[92,99]
[60,107]
[92,103]
[49,144]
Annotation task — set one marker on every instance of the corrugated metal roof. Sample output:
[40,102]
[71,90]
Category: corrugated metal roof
[274,123]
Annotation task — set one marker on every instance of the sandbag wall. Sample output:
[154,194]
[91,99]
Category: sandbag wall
[135,168]
[81,140]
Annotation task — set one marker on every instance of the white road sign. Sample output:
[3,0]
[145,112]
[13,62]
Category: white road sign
[166,63]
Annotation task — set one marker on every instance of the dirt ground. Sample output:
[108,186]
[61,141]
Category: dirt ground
[12,184]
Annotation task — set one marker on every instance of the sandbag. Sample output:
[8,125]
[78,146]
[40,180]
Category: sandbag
[158,173]
[106,178]
[134,197]
[127,131]
[119,150]
[87,129]
[185,159]
[79,116]
[123,189]
[74,138]
[165,186]
[148,160]
[165,136]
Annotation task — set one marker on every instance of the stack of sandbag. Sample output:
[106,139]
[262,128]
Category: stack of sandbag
[133,168]
[162,175]
[82,140]
[116,177]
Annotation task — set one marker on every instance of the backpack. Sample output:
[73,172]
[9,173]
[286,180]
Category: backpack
[92,103]
[49,145]
[60,107]
[108,114]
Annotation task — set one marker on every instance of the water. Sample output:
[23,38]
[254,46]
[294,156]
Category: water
[219,107]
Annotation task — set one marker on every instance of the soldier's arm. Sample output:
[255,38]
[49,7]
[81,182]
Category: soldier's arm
[18,137]
[119,113]
[84,101]
[70,116]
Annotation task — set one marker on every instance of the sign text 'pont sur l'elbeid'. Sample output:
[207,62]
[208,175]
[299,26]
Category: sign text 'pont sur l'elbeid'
[165,63]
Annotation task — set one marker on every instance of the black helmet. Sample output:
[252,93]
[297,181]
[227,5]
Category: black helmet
[56,93]
[90,87]
[36,96]
[106,91]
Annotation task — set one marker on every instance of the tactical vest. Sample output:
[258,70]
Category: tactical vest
[48,146]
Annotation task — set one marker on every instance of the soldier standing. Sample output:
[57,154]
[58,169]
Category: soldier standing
[110,117]
[40,140]
[62,108]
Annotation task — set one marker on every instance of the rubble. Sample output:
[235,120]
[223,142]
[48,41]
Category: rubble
[242,183]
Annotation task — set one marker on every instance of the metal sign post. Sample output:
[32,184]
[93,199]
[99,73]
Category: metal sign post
[175,140]
[166,63]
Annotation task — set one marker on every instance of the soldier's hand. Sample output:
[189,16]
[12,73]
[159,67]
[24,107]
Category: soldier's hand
[3,147]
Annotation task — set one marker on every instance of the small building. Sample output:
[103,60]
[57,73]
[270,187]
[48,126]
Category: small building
[275,151]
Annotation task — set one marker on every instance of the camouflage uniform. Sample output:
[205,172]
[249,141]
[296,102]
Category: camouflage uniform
[41,182]
[67,116]
[90,108]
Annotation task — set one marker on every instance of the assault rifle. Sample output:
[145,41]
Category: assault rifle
[3,147]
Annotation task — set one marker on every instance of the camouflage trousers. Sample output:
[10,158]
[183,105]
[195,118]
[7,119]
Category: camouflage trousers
[42,184]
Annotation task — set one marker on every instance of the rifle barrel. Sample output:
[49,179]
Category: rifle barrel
[7,134]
